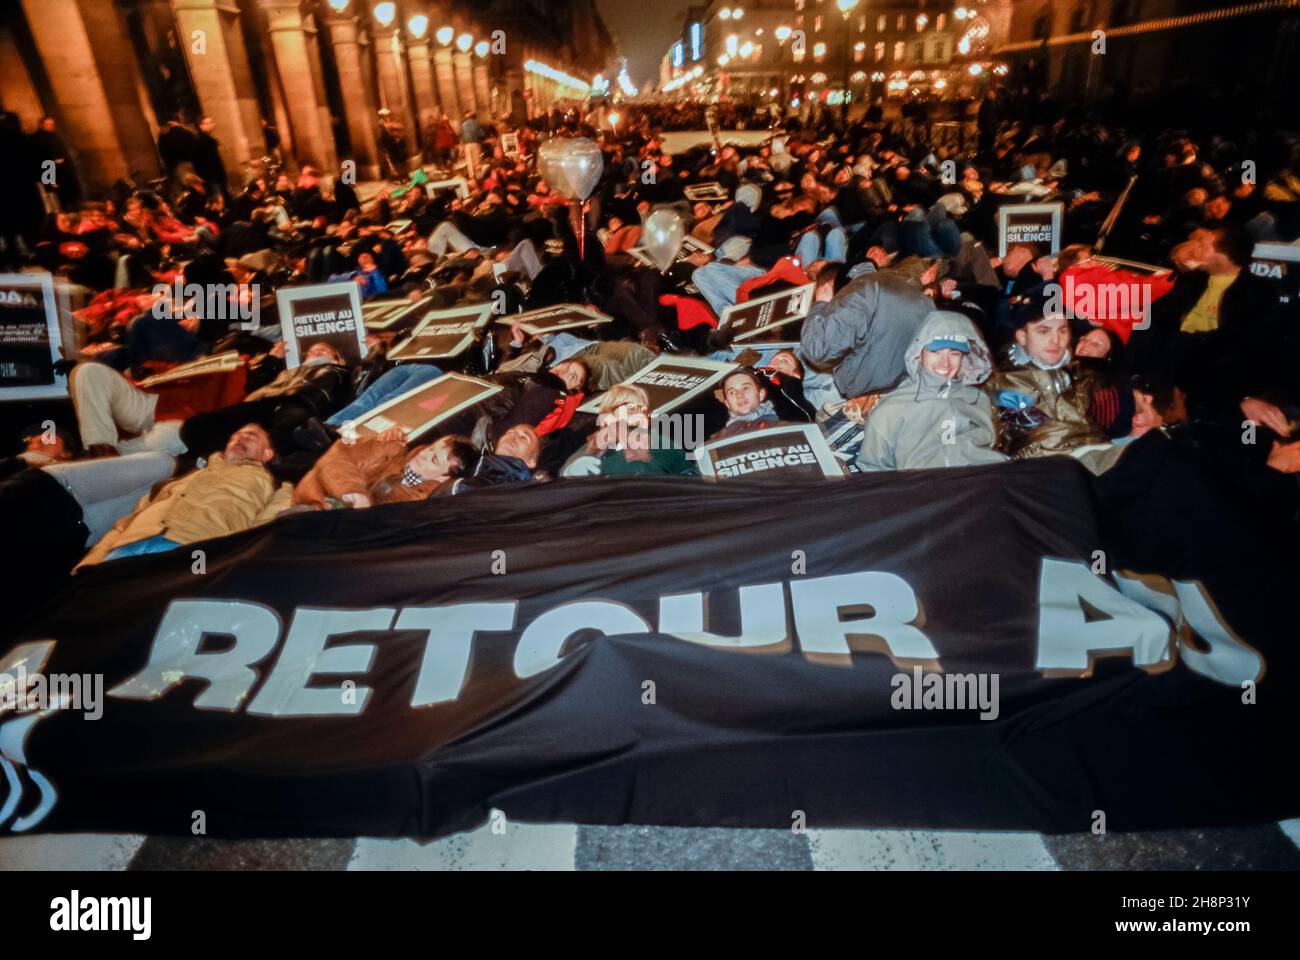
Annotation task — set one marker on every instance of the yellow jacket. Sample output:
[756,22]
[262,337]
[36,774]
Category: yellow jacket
[220,499]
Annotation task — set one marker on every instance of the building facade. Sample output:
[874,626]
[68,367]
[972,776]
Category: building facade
[113,72]
[868,50]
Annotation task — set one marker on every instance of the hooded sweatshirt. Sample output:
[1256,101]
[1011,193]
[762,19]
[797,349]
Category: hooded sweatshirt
[927,421]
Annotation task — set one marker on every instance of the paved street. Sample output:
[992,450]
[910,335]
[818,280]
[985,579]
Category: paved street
[569,847]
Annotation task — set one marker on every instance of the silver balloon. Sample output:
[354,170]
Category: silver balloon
[662,235]
[571,166]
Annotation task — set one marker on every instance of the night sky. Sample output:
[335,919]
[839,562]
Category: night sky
[644,29]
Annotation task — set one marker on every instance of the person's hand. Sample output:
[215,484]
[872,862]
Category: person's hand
[1263,413]
[1285,457]
[395,432]
[358,501]
[699,258]
[277,349]
[517,335]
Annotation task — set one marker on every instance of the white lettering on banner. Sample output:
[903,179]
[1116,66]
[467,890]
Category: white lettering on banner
[1080,616]
[1068,641]
[176,656]
[817,606]
[286,694]
[445,669]
[540,645]
[762,618]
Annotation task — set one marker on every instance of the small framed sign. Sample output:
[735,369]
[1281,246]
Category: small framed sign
[705,192]
[31,342]
[420,410]
[459,184]
[1036,223]
[562,316]
[670,382]
[443,333]
[755,317]
[793,451]
[322,312]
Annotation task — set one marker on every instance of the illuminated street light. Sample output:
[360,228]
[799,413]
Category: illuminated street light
[961,13]
[737,13]
[418,24]
[385,13]
[464,42]
[976,69]
[846,6]
[782,33]
[339,5]
[725,13]
[819,50]
[746,49]
[481,48]
[733,44]
[444,35]
[723,60]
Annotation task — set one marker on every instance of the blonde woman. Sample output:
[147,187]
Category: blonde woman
[624,441]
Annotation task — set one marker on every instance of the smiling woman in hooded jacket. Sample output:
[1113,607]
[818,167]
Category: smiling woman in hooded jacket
[937,416]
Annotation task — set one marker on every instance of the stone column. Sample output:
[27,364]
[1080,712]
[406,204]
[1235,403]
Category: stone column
[482,86]
[426,93]
[391,62]
[358,107]
[213,40]
[465,82]
[96,82]
[448,95]
[301,84]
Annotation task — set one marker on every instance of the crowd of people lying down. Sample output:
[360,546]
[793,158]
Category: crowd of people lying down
[923,348]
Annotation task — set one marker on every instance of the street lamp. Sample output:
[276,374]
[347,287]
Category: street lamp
[339,5]
[481,48]
[444,35]
[418,24]
[385,13]
[846,7]
[782,33]
[464,42]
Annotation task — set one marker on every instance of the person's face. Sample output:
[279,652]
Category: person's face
[322,351]
[521,443]
[1093,344]
[570,373]
[1218,208]
[207,124]
[944,363]
[434,462]
[366,262]
[1015,260]
[785,362]
[742,396]
[249,444]
[1133,154]
[1145,415]
[47,125]
[52,448]
[1045,340]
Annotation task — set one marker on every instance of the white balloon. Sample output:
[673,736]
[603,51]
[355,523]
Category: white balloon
[571,166]
[662,235]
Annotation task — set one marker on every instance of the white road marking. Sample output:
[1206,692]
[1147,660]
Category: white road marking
[69,851]
[523,846]
[927,850]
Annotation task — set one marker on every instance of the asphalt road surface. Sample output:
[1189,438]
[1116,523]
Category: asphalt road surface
[521,846]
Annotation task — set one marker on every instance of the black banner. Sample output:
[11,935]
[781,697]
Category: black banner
[925,649]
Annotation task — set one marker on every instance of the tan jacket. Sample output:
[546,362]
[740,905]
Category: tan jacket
[220,499]
[370,466]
